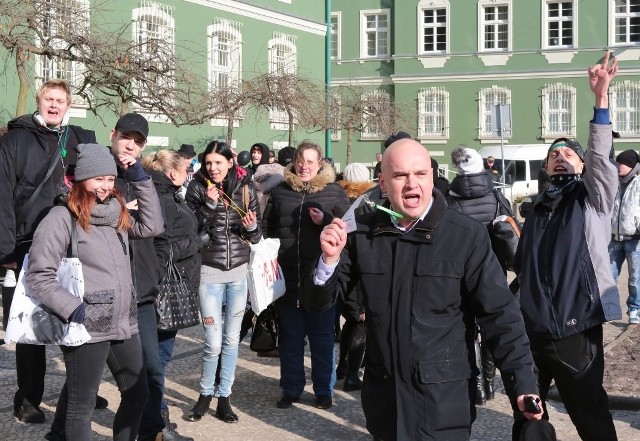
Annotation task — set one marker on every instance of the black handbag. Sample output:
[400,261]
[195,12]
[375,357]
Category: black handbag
[265,331]
[177,305]
[504,232]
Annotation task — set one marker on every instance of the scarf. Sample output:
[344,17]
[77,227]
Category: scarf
[632,174]
[106,213]
[557,183]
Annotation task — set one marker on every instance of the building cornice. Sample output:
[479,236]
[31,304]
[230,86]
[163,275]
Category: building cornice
[263,14]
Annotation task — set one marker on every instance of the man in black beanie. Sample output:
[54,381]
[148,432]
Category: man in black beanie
[625,229]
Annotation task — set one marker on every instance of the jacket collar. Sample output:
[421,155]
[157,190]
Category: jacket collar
[325,176]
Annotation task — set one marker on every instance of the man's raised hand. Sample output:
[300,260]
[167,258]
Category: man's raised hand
[333,238]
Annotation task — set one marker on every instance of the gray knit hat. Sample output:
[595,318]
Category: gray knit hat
[94,160]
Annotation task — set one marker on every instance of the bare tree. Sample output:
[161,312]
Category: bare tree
[374,113]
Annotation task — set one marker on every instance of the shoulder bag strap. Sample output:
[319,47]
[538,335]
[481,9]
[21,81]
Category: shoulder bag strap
[499,202]
[26,208]
[72,249]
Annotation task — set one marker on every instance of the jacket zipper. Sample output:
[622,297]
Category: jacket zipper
[298,245]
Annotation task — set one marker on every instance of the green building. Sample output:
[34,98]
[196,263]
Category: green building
[454,60]
[226,40]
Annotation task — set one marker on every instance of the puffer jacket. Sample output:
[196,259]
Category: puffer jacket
[625,222]
[228,247]
[25,155]
[287,218]
[562,261]
[180,235]
[473,195]
[109,295]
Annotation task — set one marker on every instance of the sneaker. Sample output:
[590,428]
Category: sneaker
[634,317]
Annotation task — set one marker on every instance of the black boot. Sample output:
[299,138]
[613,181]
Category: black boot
[481,397]
[354,360]
[167,421]
[201,408]
[224,411]
[488,371]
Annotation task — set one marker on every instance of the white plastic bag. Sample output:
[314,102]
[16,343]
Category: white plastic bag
[264,276]
[32,322]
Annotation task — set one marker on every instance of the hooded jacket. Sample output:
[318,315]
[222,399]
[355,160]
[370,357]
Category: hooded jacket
[625,222]
[287,218]
[229,246]
[562,261]
[25,155]
[474,196]
[263,160]
[109,296]
[180,235]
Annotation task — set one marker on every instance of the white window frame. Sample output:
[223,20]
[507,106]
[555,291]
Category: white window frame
[57,68]
[437,96]
[546,20]
[162,16]
[233,49]
[363,33]
[282,64]
[613,16]
[629,104]
[425,5]
[568,92]
[484,111]
[337,34]
[382,98]
[482,5]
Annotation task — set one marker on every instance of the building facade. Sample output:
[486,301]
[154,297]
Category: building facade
[226,41]
[452,61]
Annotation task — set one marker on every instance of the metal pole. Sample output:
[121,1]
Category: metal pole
[501,128]
[327,76]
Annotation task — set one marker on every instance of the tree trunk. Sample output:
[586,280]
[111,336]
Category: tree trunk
[349,143]
[23,91]
[291,126]
[230,121]
[124,107]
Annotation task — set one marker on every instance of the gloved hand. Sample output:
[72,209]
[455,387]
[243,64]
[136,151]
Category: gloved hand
[205,239]
[77,316]
[136,173]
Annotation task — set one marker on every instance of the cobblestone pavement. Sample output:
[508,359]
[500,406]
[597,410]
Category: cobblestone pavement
[254,395]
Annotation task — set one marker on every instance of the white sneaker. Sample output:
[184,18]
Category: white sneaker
[634,317]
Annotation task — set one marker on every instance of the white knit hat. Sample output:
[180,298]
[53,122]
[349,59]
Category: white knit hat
[356,172]
[467,161]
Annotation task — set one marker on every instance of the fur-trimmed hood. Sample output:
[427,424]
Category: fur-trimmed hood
[355,189]
[325,176]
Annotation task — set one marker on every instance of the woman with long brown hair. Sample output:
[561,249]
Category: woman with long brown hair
[108,311]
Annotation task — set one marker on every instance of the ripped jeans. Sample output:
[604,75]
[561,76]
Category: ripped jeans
[221,339]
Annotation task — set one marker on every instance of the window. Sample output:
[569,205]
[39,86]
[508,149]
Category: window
[433,27]
[559,32]
[63,18]
[374,27]
[558,111]
[225,55]
[154,34]
[335,35]
[487,100]
[376,107]
[624,103]
[626,22]
[433,113]
[495,32]
[282,61]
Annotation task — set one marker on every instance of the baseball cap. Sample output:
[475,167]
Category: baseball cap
[133,122]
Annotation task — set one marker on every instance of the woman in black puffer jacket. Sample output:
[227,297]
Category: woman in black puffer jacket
[222,197]
[297,210]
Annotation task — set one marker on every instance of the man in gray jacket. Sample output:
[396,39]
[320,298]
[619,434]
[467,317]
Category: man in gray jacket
[625,228]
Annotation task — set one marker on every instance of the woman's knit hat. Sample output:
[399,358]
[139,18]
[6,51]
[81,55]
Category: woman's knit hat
[628,158]
[467,161]
[94,160]
[356,172]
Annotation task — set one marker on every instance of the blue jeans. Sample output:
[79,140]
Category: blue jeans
[166,342]
[293,325]
[221,338]
[84,365]
[630,250]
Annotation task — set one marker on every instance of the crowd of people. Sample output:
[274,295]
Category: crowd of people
[428,314]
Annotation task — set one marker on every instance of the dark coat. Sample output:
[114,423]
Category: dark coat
[145,268]
[287,218]
[473,195]
[25,155]
[180,234]
[229,247]
[423,292]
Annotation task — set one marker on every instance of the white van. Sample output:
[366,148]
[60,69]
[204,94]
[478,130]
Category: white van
[522,163]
